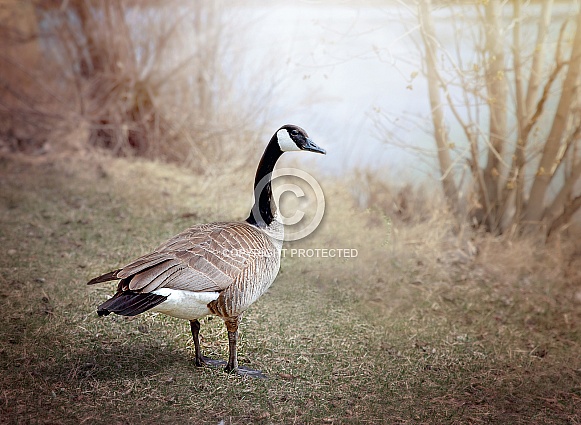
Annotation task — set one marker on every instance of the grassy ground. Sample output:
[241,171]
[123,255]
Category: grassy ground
[400,334]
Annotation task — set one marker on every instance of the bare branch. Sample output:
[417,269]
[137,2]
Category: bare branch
[521,116]
[570,209]
[536,71]
[543,99]
[543,177]
[428,35]
[516,175]
[559,64]
[560,200]
[497,93]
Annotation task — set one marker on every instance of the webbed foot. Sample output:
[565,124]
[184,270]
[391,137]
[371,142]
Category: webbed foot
[206,361]
[244,371]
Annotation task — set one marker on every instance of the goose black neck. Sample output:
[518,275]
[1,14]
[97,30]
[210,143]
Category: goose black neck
[264,208]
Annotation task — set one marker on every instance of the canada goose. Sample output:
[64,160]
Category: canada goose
[216,268]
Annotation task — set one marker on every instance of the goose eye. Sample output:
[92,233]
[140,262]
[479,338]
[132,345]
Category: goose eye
[295,133]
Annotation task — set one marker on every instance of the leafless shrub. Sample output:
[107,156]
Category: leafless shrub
[514,161]
[142,78]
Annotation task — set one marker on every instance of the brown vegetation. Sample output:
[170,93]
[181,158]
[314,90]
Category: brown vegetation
[136,78]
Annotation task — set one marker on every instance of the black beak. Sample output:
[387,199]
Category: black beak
[310,146]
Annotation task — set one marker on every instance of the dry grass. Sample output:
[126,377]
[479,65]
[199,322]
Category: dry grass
[410,331]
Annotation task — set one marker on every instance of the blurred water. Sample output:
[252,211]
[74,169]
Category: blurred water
[339,66]
[342,67]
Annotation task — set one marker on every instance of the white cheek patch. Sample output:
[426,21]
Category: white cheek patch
[285,142]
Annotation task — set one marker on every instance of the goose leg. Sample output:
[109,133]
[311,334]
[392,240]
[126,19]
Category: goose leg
[199,359]
[195,327]
[232,365]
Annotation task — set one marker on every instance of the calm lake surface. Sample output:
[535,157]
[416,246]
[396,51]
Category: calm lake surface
[343,68]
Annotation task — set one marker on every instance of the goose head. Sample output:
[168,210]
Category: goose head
[288,138]
[293,138]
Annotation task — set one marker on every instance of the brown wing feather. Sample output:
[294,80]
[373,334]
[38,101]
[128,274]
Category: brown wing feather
[207,257]
[104,277]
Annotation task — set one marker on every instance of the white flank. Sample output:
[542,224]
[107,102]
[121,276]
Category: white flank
[285,142]
[184,304]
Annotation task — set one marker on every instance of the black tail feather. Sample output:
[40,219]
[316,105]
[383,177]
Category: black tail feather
[129,303]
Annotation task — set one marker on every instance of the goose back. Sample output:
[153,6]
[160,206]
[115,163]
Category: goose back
[234,262]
